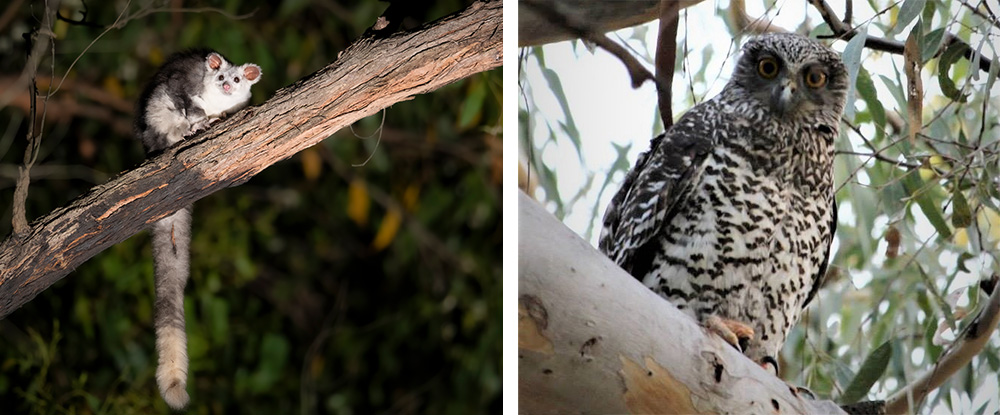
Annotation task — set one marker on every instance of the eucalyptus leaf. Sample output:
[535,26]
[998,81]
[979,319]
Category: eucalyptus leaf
[948,58]
[907,12]
[915,187]
[867,90]
[931,44]
[852,60]
[961,216]
[870,372]
[569,125]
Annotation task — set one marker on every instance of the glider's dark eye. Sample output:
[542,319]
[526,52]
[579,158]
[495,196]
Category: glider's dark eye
[237,79]
[767,68]
[221,77]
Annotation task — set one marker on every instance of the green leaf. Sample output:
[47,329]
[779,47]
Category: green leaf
[870,372]
[964,256]
[961,216]
[914,186]
[867,90]
[895,87]
[948,58]
[569,126]
[990,79]
[993,360]
[852,60]
[472,108]
[907,12]
[939,299]
[823,29]
[930,45]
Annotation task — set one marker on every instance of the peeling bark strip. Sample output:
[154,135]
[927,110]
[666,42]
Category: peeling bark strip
[370,75]
[531,322]
[613,346]
[654,390]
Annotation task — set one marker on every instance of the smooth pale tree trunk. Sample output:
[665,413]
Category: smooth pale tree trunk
[592,339]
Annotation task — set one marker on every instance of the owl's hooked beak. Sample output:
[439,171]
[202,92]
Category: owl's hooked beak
[783,96]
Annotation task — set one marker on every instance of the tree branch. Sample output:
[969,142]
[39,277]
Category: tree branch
[371,74]
[843,32]
[666,56]
[592,339]
[972,341]
[583,30]
[744,24]
[39,41]
[603,16]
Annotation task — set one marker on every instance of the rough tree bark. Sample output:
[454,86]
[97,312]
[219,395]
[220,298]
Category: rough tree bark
[592,339]
[370,75]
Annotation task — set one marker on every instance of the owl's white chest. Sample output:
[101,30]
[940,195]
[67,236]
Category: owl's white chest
[744,247]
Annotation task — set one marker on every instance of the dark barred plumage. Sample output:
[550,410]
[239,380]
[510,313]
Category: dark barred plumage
[731,212]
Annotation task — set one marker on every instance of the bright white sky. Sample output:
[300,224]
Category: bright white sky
[607,110]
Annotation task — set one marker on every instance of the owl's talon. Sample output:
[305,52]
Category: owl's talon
[801,391]
[733,332]
[772,362]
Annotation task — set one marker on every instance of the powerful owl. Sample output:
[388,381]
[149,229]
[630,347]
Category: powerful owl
[731,213]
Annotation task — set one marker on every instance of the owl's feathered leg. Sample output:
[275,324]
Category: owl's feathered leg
[733,332]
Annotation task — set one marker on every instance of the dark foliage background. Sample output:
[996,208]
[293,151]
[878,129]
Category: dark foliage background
[324,285]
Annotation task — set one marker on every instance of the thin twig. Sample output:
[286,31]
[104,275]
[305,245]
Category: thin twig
[842,32]
[876,152]
[637,72]
[666,56]
[970,342]
[41,39]
[992,18]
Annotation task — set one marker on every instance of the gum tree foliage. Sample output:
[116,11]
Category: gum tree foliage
[919,219]
[360,276]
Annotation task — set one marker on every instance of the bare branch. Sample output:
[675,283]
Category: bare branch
[843,32]
[666,57]
[991,18]
[744,24]
[603,16]
[40,42]
[971,341]
[636,71]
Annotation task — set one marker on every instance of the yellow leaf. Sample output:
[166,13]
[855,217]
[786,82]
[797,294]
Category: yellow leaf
[113,85]
[961,237]
[410,197]
[156,56]
[312,164]
[931,166]
[990,222]
[387,231]
[316,366]
[926,174]
[358,202]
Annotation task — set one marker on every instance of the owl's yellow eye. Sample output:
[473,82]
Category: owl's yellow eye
[815,78]
[767,68]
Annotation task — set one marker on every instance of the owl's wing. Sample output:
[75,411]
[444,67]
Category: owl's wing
[659,182]
[821,274]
